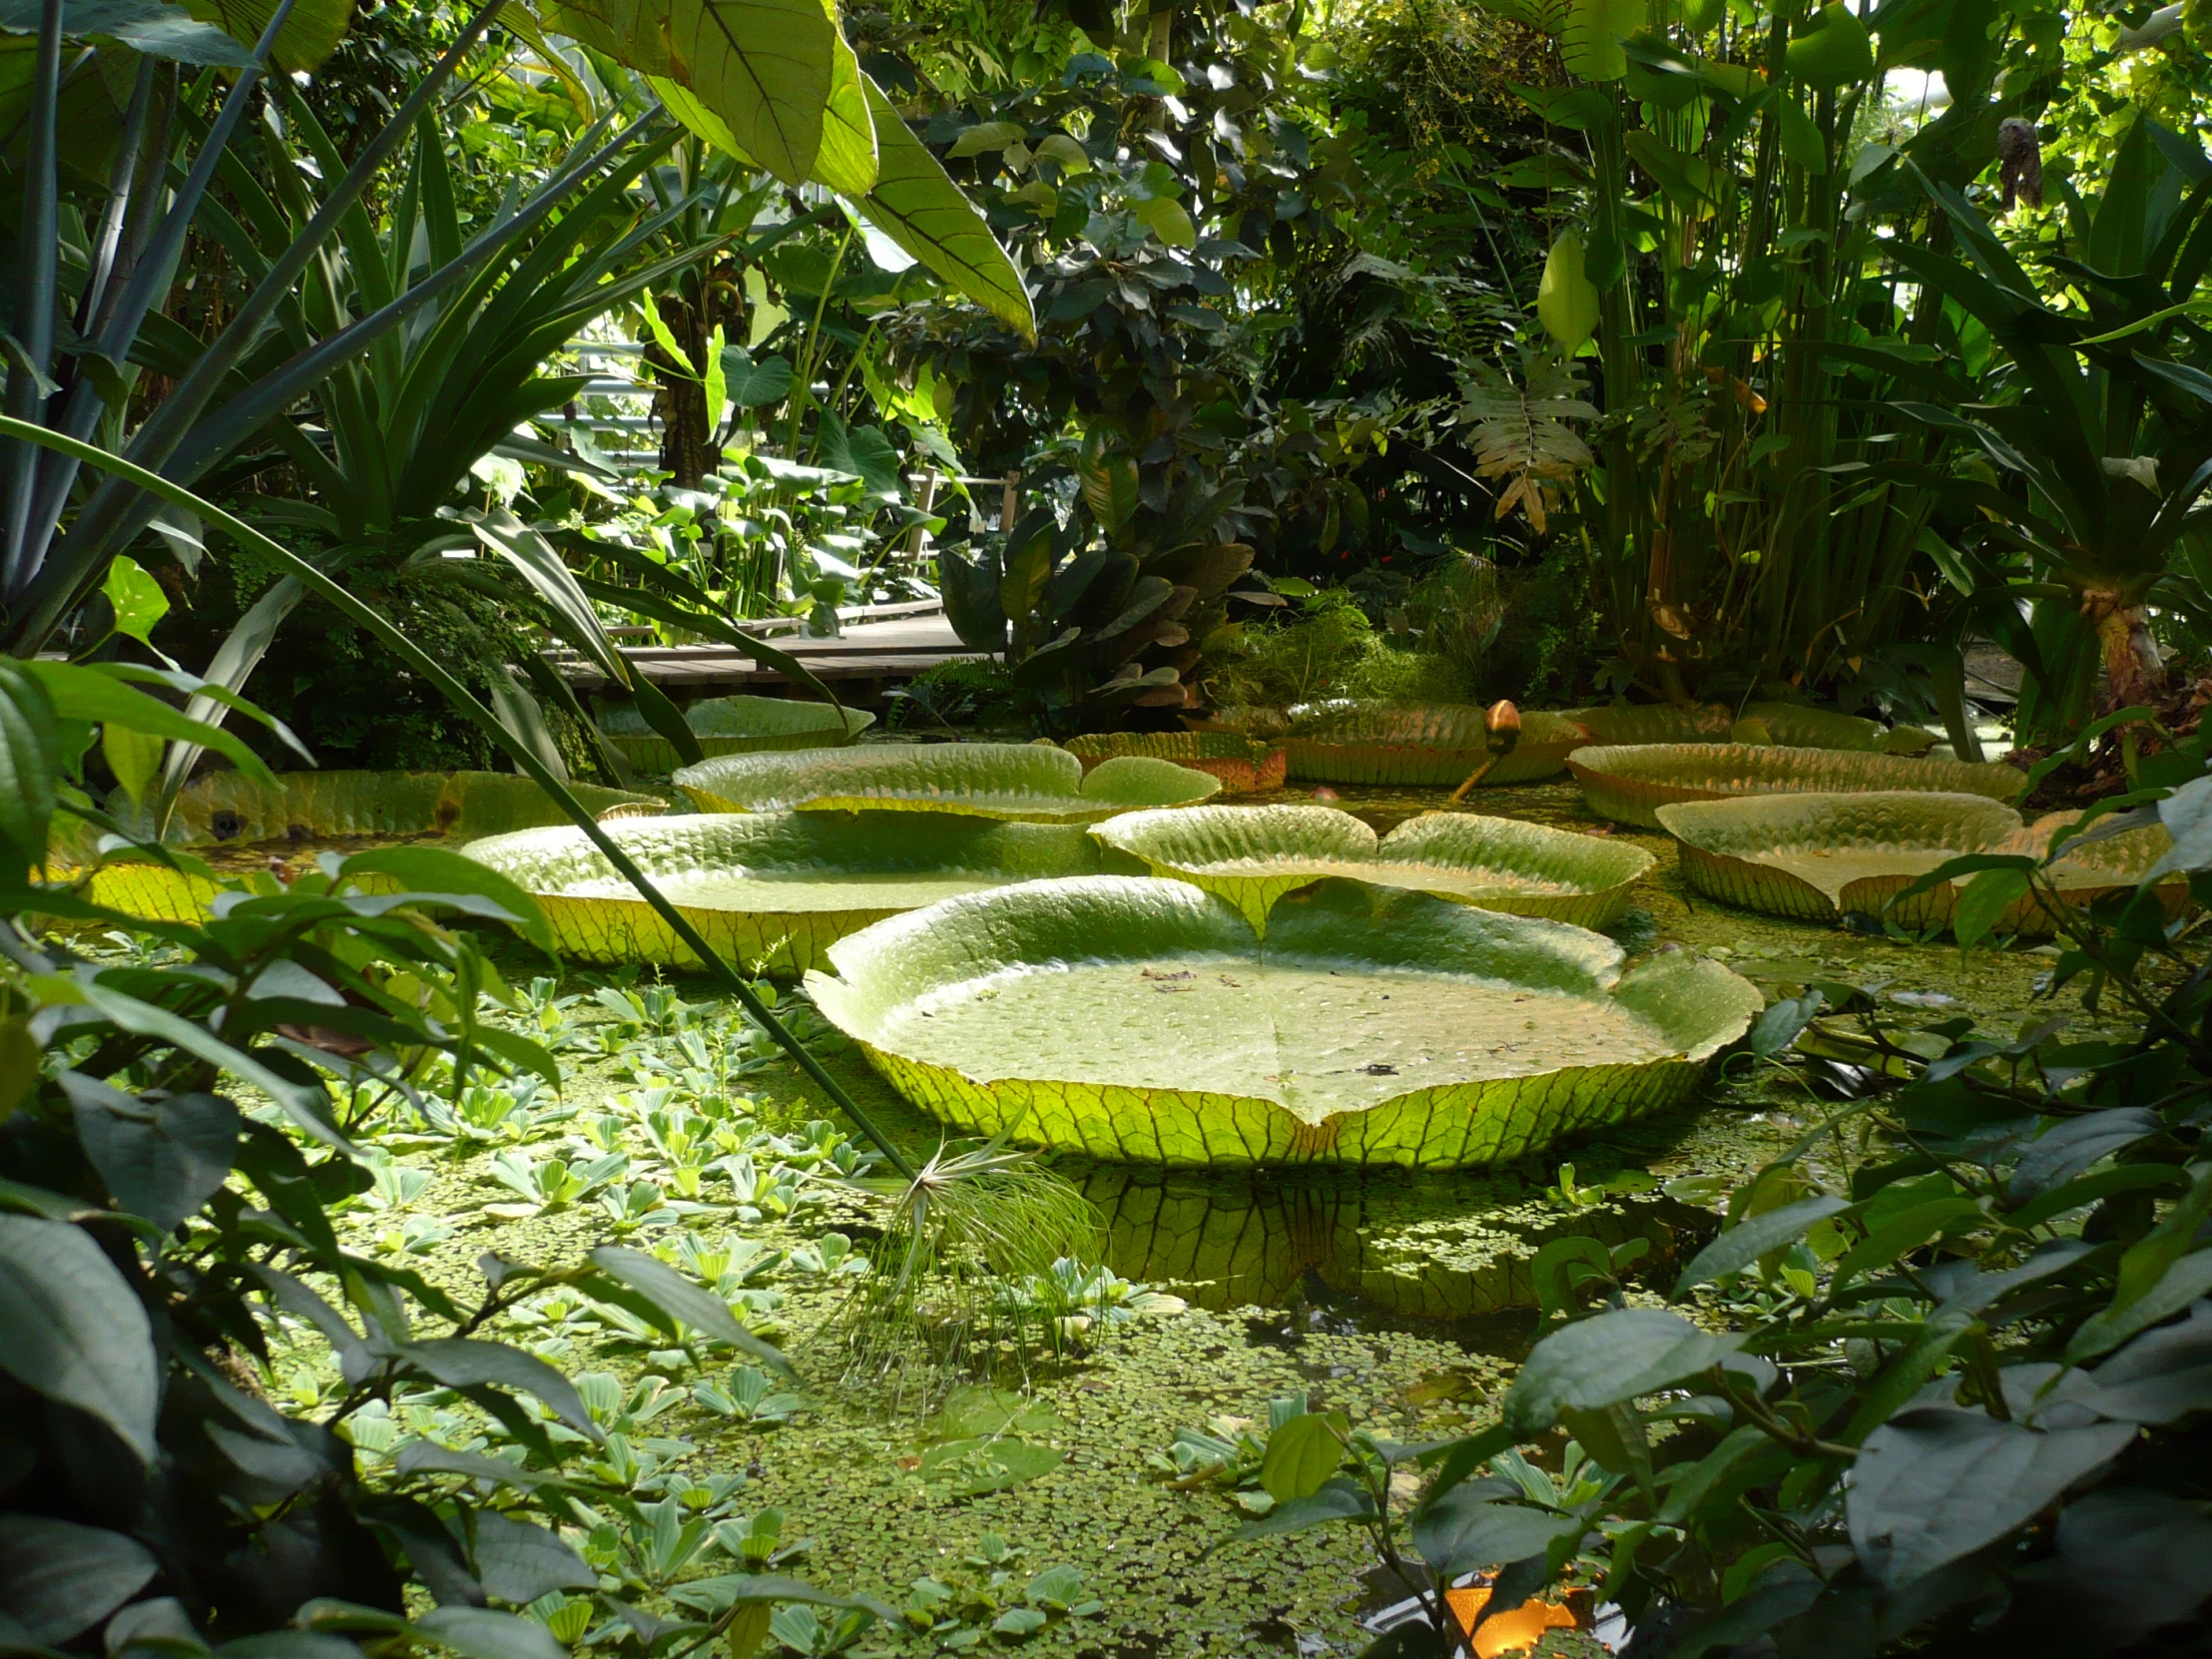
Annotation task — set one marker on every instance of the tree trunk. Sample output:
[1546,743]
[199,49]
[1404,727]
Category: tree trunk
[2135,673]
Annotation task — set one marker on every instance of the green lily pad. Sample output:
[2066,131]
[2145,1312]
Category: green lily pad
[734,726]
[1790,724]
[1629,783]
[241,825]
[775,888]
[1141,1021]
[1253,855]
[1245,765]
[1034,783]
[1438,746]
[1820,857]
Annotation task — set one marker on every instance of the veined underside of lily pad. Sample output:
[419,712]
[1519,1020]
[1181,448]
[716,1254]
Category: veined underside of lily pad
[1438,746]
[1253,855]
[1245,765]
[735,725]
[1822,857]
[1142,1021]
[775,888]
[1630,783]
[1027,783]
[253,821]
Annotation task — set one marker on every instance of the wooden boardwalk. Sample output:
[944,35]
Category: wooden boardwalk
[884,646]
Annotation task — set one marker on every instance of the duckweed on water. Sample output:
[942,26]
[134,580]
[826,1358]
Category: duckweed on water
[1399,1298]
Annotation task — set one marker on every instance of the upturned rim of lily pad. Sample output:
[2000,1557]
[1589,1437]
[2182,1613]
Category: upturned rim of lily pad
[1032,783]
[1629,783]
[1253,855]
[792,861]
[883,975]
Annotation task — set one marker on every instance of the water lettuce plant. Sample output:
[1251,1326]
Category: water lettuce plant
[734,726]
[772,888]
[283,817]
[1033,783]
[1245,765]
[1629,783]
[1253,855]
[1141,1021]
[1822,857]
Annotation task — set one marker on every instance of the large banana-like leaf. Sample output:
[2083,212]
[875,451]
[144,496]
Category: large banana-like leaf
[1140,1021]
[765,69]
[1628,783]
[916,204]
[1024,781]
[1254,855]
[312,30]
[776,889]
[1822,857]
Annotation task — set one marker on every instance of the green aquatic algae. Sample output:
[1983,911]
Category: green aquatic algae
[1145,1021]
[1034,783]
[1252,855]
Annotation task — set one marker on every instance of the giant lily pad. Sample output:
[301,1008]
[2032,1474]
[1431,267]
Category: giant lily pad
[241,825]
[734,726]
[1035,782]
[1142,1021]
[775,888]
[1253,855]
[1245,765]
[1629,783]
[1790,724]
[1820,857]
[1373,743]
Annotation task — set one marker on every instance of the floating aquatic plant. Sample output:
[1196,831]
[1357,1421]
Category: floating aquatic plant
[1032,783]
[1629,783]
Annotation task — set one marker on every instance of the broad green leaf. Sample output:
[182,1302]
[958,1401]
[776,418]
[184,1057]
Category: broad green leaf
[1832,51]
[85,693]
[152,27]
[1609,1360]
[1566,300]
[1801,139]
[72,1329]
[433,869]
[1109,482]
[1938,1484]
[1166,219]
[1337,1500]
[58,1578]
[483,1633]
[466,1362]
[765,69]
[916,204]
[1466,1530]
[1142,1021]
[1985,897]
[846,160]
[134,757]
[717,384]
[1591,40]
[137,598]
[1304,1453]
[753,385]
[776,889]
[1254,855]
[989,780]
[29,764]
[1742,1244]
[312,30]
[161,1158]
[518,1561]
[985,138]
